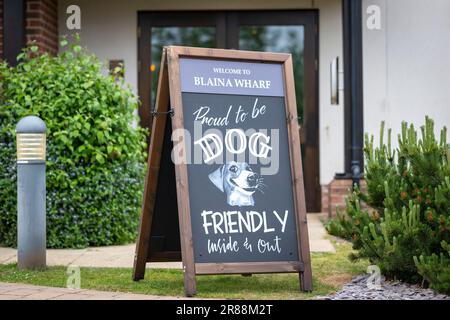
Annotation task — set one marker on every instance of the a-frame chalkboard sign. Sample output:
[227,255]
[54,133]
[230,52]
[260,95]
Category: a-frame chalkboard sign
[224,189]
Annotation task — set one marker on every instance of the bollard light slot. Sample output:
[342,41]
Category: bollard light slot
[31,146]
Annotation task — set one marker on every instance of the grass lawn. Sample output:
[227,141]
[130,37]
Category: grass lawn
[330,272]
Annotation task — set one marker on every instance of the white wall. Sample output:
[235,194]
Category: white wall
[407,64]
[331,117]
[108,29]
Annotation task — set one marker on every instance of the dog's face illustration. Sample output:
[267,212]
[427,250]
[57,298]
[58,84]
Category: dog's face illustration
[238,181]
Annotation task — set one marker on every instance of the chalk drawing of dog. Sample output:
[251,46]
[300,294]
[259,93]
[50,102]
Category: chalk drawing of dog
[238,181]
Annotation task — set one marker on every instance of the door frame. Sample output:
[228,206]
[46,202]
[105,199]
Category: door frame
[227,36]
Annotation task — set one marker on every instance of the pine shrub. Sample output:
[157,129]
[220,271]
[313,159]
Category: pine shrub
[405,229]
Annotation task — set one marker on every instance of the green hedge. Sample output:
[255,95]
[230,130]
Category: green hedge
[95,156]
[404,225]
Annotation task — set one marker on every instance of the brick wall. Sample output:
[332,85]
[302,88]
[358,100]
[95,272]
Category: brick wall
[42,24]
[1,29]
[335,194]
[325,198]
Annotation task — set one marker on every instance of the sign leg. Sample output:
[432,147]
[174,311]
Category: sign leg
[139,269]
[142,245]
[190,283]
[305,278]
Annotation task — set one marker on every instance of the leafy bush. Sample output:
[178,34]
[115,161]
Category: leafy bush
[95,157]
[406,229]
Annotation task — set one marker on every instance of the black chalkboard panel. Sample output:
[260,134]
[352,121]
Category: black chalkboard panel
[241,205]
[164,230]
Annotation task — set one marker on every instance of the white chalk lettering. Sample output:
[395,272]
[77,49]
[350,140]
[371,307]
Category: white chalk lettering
[239,133]
[266,246]
[212,145]
[264,147]
[206,147]
[201,115]
[282,221]
[223,246]
[212,82]
[252,84]
[227,222]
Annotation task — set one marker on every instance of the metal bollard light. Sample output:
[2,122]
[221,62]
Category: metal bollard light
[31,193]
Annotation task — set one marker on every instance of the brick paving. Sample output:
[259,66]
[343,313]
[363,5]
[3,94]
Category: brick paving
[15,291]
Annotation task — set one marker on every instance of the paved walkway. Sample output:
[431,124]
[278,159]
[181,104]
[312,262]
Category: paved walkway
[123,256]
[318,236]
[14,291]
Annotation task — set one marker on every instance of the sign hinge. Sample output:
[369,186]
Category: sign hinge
[139,65]
[139,32]
[301,266]
[171,112]
[316,64]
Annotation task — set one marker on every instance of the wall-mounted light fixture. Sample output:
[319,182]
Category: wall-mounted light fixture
[117,68]
[335,74]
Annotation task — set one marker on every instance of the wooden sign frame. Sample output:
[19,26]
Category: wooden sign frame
[169,101]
